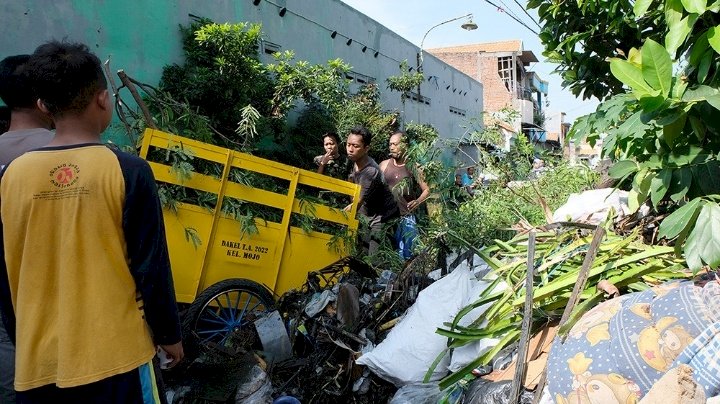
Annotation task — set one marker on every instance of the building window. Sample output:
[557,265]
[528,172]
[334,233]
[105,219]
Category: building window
[505,70]
[458,111]
[359,78]
[270,47]
[417,97]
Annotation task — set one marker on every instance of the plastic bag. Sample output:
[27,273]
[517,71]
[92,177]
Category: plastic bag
[255,389]
[483,391]
[417,393]
[593,206]
[412,345]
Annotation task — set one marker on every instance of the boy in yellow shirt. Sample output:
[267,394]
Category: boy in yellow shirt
[86,290]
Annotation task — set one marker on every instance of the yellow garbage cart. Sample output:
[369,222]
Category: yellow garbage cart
[227,265]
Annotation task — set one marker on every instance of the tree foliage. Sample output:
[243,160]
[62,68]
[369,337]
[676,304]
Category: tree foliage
[221,68]
[580,35]
[663,130]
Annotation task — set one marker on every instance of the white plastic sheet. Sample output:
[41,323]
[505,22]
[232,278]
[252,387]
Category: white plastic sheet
[410,348]
[593,206]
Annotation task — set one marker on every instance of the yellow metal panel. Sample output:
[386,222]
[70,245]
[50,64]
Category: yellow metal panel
[250,194]
[285,226]
[328,183]
[304,253]
[322,212]
[279,256]
[201,150]
[263,166]
[185,259]
[217,214]
[198,181]
[249,257]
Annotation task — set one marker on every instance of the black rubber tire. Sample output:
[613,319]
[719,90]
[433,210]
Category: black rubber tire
[194,323]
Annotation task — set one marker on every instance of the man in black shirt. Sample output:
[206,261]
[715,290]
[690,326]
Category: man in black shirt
[376,201]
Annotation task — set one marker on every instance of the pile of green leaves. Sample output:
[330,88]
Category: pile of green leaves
[625,262]
[221,74]
[493,212]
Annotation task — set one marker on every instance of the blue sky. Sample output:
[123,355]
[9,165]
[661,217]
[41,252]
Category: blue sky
[412,18]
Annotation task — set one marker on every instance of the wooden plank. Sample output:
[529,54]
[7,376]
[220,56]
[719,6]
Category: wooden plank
[575,296]
[525,332]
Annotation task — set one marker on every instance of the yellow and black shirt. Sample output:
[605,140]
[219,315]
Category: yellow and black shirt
[85,282]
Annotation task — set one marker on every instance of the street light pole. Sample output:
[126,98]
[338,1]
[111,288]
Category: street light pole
[469,26]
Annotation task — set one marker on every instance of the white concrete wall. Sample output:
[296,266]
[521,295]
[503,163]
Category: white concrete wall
[142,37]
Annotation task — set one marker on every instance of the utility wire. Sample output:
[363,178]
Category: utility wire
[528,14]
[509,11]
[514,18]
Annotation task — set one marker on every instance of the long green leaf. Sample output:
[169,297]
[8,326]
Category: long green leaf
[660,185]
[678,33]
[656,66]
[570,279]
[623,168]
[482,360]
[640,7]
[630,75]
[672,131]
[713,35]
[434,364]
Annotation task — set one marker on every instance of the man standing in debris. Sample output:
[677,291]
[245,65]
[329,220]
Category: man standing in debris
[28,129]
[376,203]
[403,185]
[85,286]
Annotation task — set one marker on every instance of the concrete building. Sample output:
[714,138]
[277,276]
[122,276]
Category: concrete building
[556,129]
[502,68]
[142,37]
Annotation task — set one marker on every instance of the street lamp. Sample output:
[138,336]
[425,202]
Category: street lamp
[469,25]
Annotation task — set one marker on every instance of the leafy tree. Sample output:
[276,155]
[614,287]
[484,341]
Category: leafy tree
[405,82]
[221,68]
[581,35]
[323,84]
[663,131]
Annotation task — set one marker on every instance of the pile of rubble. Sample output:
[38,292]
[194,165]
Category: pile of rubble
[306,349]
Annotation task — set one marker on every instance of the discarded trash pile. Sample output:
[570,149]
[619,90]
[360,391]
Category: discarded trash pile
[342,311]
[618,264]
[307,347]
[350,335]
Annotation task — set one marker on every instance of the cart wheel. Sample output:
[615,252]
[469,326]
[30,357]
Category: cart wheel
[222,316]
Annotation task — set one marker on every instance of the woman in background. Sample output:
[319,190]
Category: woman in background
[332,163]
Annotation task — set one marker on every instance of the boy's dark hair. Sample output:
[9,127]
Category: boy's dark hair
[4,119]
[332,135]
[362,131]
[15,87]
[66,76]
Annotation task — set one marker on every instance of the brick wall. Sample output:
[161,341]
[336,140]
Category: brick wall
[495,94]
[484,69]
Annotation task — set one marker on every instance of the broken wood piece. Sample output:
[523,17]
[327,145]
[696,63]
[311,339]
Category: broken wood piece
[136,96]
[676,386]
[575,296]
[524,343]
